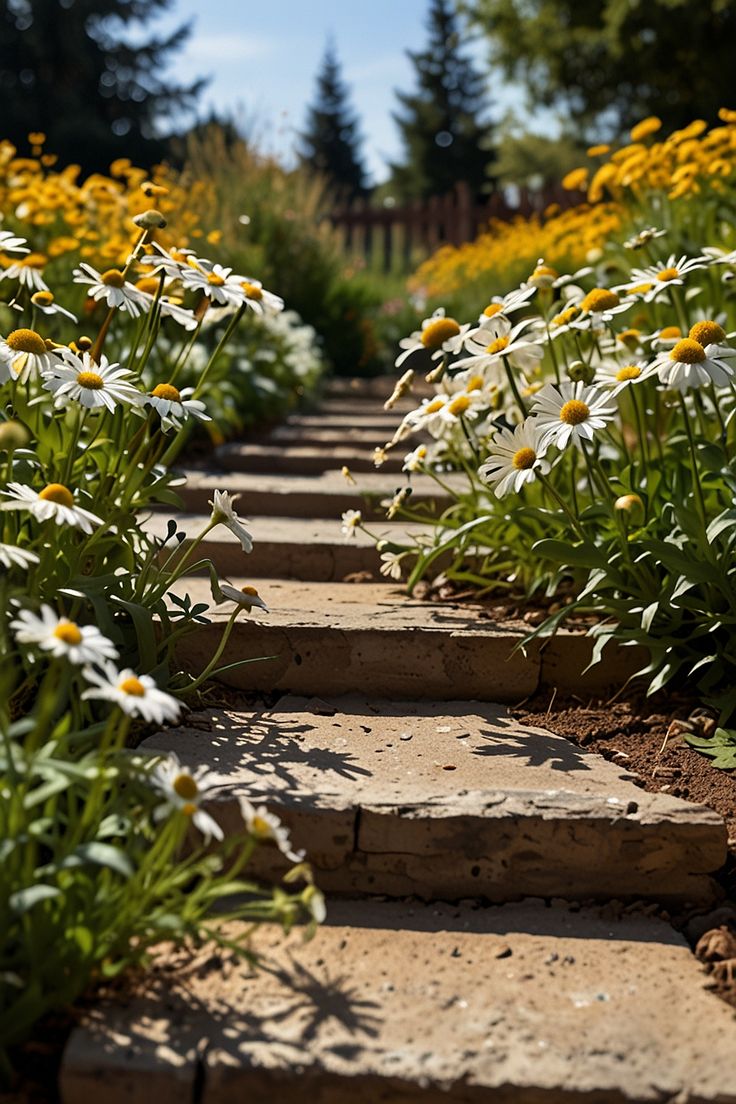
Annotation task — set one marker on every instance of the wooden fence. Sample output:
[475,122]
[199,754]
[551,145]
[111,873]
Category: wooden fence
[396,238]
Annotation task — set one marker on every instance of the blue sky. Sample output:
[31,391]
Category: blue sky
[263,58]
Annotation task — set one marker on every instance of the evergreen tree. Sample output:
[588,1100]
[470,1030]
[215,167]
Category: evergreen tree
[444,134]
[331,142]
[67,70]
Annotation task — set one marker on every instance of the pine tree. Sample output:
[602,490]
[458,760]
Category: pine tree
[443,131]
[331,142]
[66,70]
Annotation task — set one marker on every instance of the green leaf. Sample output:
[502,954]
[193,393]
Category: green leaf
[721,747]
[104,854]
[25,899]
[576,555]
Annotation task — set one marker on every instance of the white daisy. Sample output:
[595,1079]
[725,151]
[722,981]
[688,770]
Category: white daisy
[54,503]
[219,284]
[27,272]
[266,827]
[90,383]
[9,243]
[173,262]
[571,412]
[545,276]
[670,273]
[351,519]
[666,338]
[648,234]
[689,365]
[506,304]
[415,460]
[426,416]
[246,596]
[514,458]
[136,695]
[223,513]
[24,353]
[258,299]
[64,639]
[391,564]
[490,345]
[173,406]
[464,404]
[597,307]
[46,303]
[184,790]
[12,556]
[618,377]
[112,288]
[439,336]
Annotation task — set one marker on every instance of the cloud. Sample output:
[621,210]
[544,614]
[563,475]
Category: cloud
[229,47]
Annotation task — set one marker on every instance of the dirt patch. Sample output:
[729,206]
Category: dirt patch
[649,740]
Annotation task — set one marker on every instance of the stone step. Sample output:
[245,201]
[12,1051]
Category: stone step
[301,460]
[378,387]
[296,548]
[380,422]
[339,638]
[326,495]
[449,801]
[398,1002]
[288,436]
[369,405]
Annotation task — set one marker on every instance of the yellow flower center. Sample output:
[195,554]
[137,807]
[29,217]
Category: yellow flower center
[497,346]
[475,383]
[544,273]
[433,406]
[260,827]
[215,280]
[148,284]
[707,333]
[166,391]
[492,308]
[68,632]
[42,299]
[185,787]
[524,459]
[574,412]
[566,316]
[250,591]
[252,291]
[459,404]
[56,492]
[34,260]
[688,351]
[438,332]
[670,333]
[113,278]
[629,337]
[90,380]
[628,372]
[133,686]
[667,274]
[599,299]
[639,289]
[26,341]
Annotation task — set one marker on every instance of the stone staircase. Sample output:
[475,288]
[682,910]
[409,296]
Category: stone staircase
[496,923]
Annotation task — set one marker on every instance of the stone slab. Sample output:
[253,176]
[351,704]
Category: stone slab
[342,638]
[414,1004]
[295,548]
[450,801]
[300,459]
[383,422]
[326,495]
[334,437]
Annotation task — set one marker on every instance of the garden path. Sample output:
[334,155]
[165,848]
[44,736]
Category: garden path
[377,735]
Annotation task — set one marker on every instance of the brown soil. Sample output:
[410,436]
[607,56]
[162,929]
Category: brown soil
[648,739]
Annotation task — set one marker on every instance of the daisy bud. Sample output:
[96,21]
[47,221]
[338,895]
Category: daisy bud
[631,505]
[150,220]
[580,372]
[13,435]
[437,373]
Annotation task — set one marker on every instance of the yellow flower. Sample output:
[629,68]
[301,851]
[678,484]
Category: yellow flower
[647,126]
[576,179]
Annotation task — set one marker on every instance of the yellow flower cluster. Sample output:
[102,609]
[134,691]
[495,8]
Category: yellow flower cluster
[564,239]
[689,162]
[63,214]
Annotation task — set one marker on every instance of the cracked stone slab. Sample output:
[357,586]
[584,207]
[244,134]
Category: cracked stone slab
[451,800]
[295,548]
[300,458]
[325,495]
[426,1004]
[341,638]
